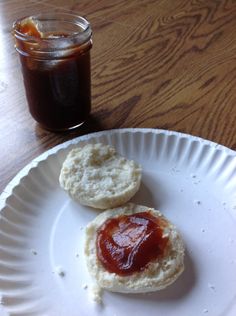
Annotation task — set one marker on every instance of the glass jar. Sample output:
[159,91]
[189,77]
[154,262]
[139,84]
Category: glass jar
[54,50]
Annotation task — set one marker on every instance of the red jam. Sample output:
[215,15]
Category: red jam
[29,28]
[59,97]
[128,243]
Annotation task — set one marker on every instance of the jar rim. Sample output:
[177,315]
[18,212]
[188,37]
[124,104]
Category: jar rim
[80,21]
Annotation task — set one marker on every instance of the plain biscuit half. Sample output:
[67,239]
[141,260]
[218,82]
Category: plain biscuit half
[95,175]
[156,276]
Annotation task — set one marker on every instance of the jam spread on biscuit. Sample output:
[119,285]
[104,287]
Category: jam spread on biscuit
[128,243]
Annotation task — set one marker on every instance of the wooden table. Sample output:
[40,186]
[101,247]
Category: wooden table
[161,64]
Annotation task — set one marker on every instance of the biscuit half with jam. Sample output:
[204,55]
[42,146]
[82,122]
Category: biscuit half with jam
[133,249]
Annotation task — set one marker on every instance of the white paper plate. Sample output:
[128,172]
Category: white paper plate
[192,181]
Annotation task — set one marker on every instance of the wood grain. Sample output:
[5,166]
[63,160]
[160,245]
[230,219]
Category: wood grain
[160,64]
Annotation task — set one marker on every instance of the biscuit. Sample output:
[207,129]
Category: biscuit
[157,275]
[95,175]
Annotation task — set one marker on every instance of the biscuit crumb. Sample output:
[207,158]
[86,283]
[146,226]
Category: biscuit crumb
[34,252]
[211,286]
[59,271]
[198,202]
[96,294]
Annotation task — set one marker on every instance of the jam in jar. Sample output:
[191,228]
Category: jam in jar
[128,243]
[55,57]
